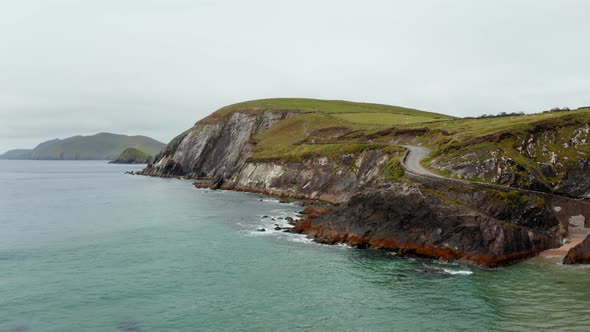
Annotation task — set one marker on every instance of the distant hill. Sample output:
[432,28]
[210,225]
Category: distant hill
[17,154]
[102,146]
[132,156]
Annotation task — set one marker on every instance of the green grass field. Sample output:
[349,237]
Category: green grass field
[471,128]
[387,119]
[323,106]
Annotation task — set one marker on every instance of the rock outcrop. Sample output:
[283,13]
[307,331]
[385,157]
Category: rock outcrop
[579,254]
[549,157]
[215,147]
[485,227]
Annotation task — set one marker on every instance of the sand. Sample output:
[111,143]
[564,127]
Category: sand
[576,235]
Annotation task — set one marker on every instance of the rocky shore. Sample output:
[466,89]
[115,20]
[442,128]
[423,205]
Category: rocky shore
[580,254]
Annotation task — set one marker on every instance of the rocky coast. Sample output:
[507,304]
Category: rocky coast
[371,199]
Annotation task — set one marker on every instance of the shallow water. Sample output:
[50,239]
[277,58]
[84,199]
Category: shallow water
[84,247]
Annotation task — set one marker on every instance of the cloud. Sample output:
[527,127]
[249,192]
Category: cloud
[155,67]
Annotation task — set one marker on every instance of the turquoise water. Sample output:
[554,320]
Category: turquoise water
[84,247]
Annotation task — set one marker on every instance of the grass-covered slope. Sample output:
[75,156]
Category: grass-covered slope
[323,128]
[336,107]
[102,146]
[132,156]
[539,151]
[546,151]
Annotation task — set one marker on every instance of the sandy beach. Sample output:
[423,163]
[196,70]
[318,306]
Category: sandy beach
[576,235]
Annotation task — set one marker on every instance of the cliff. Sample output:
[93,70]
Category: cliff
[348,154]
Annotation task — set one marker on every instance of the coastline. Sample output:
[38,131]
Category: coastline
[315,208]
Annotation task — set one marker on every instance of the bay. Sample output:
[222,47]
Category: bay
[85,247]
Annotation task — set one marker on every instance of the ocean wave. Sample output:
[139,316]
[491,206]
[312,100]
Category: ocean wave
[298,238]
[442,271]
[459,272]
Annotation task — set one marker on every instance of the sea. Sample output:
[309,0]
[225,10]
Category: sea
[86,247]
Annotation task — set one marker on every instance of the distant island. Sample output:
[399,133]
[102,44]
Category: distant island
[102,146]
[132,156]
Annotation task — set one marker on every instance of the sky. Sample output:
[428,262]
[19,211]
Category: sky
[155,67]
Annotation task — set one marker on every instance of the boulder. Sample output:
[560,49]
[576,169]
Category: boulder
[579,254]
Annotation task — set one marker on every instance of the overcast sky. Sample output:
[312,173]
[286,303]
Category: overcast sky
[154,67]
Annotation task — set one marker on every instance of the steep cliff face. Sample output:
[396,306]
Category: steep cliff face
[214,147]
[550,157]
[219,151]
[318,178]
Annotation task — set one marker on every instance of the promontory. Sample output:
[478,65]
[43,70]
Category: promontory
[487,191]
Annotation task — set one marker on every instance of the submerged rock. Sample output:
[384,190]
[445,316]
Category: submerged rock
[579,254]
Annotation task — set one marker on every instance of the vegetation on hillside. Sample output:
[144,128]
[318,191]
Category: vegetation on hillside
[18,154]
[132,156]
[102,146]
[325,128]
[324,106]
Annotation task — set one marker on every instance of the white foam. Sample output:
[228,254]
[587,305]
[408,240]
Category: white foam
[460,272]
[300,239]
[272,200]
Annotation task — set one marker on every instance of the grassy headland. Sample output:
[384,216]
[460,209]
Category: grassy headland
[332,128]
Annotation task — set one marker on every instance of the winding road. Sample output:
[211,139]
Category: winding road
[413,158]
[415,154]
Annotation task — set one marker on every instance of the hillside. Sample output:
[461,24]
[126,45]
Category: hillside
[18,154]
[545,151]
[322,127]
[102,146]
[349,155]
[132,156]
